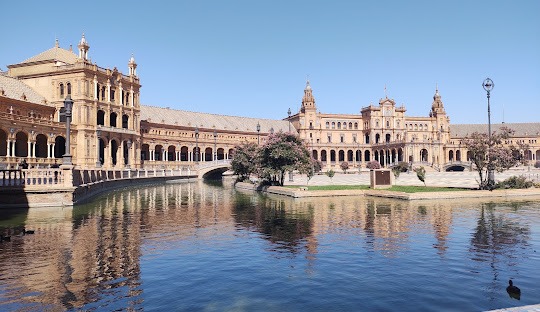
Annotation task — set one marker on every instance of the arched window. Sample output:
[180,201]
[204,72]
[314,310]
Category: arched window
[339,125]
[333,125]
[327,125]
[355,125]
[61,90]
[68,88]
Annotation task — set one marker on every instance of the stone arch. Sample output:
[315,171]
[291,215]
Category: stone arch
[323,155]
[41,146]
[458,155]
[350,155]
[377,138]
[332,155]
[101,156]
[3,143]
[220,153]
[208,154]
[450,155]
[314,154]
[158,152]
[171,153]
[101,117]
[145,152]
[125,121]
[114,152]
[424,155]
[184,153]
[21,144]
[113,118]
[59,146]
[367,155]
[341,155]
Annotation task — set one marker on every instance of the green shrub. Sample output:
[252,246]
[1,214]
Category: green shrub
[421,174]
[515,182]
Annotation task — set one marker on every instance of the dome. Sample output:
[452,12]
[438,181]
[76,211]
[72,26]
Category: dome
[132,59]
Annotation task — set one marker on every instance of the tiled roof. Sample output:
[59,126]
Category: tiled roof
[15,88]
[55,53]
[205,120]
[521,129]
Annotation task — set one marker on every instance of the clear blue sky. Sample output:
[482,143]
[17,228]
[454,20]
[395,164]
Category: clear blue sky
[251,58]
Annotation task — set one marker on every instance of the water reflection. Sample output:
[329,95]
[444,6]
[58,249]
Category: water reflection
[90,256]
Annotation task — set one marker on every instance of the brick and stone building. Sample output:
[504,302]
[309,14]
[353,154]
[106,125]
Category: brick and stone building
[111,128]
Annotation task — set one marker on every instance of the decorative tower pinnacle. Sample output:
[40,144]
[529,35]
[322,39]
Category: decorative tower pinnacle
[437,107]
[308,101]
[83,48]
[132,66]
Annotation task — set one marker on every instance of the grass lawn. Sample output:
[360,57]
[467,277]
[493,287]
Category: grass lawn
[395,188]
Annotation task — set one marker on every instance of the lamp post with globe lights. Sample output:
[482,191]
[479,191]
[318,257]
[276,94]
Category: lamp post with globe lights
[488,85]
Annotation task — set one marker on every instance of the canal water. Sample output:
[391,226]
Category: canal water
[207,247]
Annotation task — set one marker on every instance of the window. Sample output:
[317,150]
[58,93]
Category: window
[327,125]
[356,125]
[354,138]
[350,125]
[62,90]
[333,125]
[342,138]
[68,88]
[387,124]
[339,125]
[329,138]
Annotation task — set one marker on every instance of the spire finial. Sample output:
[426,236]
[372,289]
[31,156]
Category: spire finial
[385,94]
[56,44]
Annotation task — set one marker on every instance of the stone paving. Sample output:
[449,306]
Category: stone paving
[465,179]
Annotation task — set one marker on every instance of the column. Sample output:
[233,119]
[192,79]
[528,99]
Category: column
[48,150]
[53,145]
[96,91]
[108,91]
[131,99]
[29,153]
[107,155]
[8,154]
[120,160]
[120,96]
[34,149]
[190,156]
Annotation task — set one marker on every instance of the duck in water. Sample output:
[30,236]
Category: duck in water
[513,291]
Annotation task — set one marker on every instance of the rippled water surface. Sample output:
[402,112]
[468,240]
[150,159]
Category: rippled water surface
[196,246]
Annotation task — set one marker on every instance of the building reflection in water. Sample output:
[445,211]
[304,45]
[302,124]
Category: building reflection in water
[81,256]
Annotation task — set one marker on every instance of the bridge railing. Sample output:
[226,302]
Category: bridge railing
[214,163]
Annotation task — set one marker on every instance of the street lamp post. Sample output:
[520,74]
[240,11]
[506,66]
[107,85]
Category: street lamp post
[258,132]
[128,145]
[68,105]
[215,151]
[196,144]
[488,85]
[289,119]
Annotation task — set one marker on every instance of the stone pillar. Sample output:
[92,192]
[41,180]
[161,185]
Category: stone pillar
[96,90]
[34,149]
[29,154]
[108,91]
[48,150]
[8,154]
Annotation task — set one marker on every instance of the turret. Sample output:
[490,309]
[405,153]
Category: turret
[308,101]
[437,107]
[132,66]
[83,48]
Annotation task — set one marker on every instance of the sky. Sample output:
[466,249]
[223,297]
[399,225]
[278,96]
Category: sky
[252,58]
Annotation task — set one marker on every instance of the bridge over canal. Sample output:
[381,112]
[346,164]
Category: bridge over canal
[67,186]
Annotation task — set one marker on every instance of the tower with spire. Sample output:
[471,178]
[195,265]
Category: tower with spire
[83,49]
[437,107]
[132,66]
[308,101]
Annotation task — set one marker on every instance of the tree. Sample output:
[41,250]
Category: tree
[244,162]
[486,154]
[421,174]
[373,165]
[344,166]
[314,168]
[330,173]
[282,152]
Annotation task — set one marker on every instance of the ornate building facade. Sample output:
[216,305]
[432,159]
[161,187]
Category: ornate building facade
[112,129]
[385,134]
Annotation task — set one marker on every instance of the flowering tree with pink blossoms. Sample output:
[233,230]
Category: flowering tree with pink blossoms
[282,152]
[494,154]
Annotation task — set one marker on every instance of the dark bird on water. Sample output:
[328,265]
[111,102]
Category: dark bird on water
[513,291]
